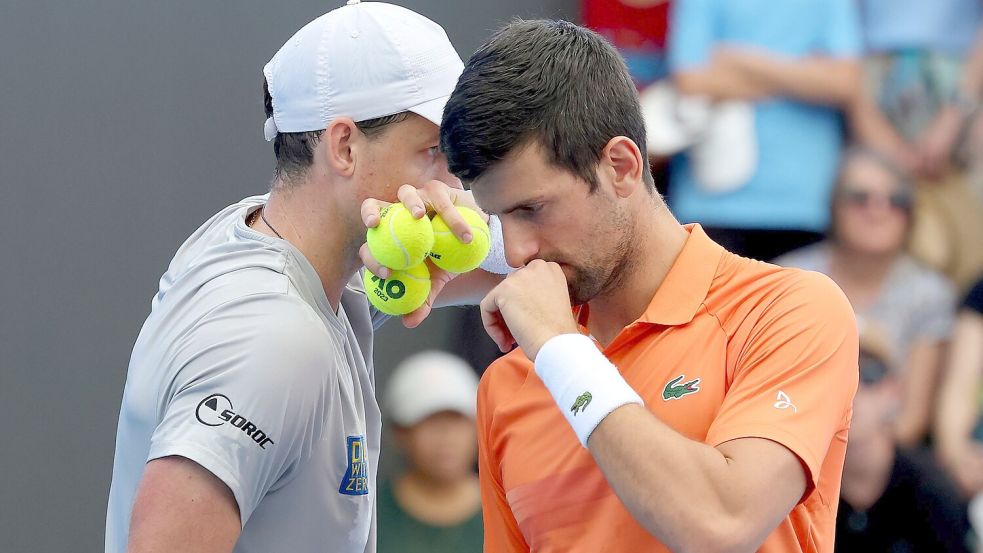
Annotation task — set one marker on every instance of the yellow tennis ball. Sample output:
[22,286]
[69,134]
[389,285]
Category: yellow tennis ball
[401,293]
[400,241]
[450,254]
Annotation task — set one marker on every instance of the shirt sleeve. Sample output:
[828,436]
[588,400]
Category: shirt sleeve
[843,38]
[795,375]
[937,310]
[246,402]
[691,34]
[502,534]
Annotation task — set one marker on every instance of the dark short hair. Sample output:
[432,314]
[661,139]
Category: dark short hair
[294,151]
[543,80]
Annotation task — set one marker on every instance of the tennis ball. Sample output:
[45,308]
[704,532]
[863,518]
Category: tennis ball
[400,241]
[401,293]
[450,254]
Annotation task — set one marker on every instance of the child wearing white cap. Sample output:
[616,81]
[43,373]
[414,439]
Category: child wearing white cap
[249,421]
[434,506]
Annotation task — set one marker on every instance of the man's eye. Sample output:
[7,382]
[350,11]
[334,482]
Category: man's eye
[433,151]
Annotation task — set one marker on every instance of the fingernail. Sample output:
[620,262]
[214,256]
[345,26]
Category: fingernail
[418,212]
[467,238]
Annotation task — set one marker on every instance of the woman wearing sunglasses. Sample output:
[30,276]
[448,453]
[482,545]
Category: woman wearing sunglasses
[865,255]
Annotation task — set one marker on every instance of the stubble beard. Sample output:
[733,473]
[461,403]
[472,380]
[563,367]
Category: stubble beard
[600,277]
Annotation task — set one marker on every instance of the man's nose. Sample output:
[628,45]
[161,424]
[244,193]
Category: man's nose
[521,246]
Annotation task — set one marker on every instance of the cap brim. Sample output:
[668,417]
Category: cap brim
[432,110]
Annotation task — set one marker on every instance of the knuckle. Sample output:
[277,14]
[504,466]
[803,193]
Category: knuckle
[443,202]
[408,193]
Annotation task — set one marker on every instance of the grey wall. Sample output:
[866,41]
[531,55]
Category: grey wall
[124,125]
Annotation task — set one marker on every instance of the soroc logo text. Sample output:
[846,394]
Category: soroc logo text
[216,410]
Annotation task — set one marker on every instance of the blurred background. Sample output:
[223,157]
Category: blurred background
[842,136]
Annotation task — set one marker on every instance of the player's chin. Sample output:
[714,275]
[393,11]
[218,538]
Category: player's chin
[576,292]
[582,288]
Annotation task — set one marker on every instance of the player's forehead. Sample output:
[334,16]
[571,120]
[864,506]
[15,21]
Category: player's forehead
[522,177]
[412,130]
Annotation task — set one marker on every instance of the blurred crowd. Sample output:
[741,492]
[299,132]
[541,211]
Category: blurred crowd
[838,136]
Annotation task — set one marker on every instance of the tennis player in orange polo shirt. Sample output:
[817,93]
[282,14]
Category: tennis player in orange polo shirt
[691,400]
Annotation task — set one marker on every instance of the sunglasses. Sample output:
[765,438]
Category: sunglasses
[861,198]
[872,369]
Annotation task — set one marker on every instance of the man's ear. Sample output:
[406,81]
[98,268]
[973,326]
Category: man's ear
[622,160]
[341,145]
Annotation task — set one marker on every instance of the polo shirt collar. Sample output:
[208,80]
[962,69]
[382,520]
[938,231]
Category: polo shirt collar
[687,284]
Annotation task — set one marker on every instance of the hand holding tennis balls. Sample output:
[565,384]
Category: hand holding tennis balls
[400,241]
[397,242]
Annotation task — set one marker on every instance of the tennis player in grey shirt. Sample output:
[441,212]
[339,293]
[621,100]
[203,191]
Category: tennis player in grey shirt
[245,368]
[249,421]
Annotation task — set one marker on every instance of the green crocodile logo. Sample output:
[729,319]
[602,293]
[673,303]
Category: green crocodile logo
[674,390]
[583,400]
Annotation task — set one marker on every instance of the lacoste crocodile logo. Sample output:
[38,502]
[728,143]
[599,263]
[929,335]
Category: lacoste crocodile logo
[675,390]
[581,403]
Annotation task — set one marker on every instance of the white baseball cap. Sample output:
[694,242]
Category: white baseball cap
[427,383]
[363,60]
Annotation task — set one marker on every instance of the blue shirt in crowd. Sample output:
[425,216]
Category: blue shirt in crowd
[798,144]
[947,26]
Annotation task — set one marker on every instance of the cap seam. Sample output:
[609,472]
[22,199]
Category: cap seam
[323,75]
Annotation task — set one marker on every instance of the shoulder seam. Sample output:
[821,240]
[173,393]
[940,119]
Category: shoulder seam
[714,315]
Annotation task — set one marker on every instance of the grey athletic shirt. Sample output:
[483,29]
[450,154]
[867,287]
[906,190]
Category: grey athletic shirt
[243,367]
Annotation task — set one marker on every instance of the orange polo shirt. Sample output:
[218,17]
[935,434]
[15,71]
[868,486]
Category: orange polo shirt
[727,348]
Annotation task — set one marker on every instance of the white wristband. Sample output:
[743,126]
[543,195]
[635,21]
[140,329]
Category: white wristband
[495,262]
[584,384]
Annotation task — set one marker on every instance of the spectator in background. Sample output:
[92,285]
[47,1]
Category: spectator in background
[435,505]
[865,255]
[959,428]
[924,78]
[637,28]
[891,499]
[797,63]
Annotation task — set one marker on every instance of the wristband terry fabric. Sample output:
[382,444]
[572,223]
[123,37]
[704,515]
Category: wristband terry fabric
[495,261]
[585,385]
